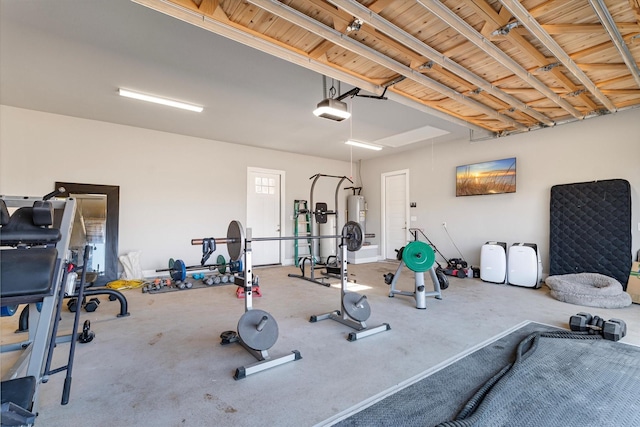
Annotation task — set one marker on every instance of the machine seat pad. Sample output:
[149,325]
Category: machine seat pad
[20,229]
[19,391]
[27,272]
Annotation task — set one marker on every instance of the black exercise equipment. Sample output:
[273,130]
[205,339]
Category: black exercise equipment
[257,329]
[87,335]
[332,269]
[33,269]
[612,329]
[178,269]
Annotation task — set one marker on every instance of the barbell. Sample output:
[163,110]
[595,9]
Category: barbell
[235,240]
[178,269]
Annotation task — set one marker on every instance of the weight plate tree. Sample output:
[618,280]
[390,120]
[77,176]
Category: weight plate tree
[418,257]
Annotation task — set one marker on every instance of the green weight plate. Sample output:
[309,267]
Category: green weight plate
[171,262]
[235,240]
[222,264]
[248,326]
[418,256]
[356,307]
[352,233]
[178,271]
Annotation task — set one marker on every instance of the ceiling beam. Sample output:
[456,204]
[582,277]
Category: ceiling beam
[457,23]
[503,17]
[346,42]
[381,24]
[529,22]
[609,24]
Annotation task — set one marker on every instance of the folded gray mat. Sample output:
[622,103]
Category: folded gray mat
[589,289]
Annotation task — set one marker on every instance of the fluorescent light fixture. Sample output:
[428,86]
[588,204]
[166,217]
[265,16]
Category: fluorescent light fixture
[332,109]
[163,101]
[364,145]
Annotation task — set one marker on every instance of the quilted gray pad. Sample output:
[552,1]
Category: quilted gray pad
[590,230]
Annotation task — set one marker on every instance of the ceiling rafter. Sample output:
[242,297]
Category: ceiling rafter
[471,60]
[401,36]
[612,29]
[519,12]
[348,43]
[502,18]
[444,13]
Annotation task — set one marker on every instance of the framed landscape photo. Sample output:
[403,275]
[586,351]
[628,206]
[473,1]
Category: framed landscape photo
[494,177]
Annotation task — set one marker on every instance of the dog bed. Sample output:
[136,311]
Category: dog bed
[590,289]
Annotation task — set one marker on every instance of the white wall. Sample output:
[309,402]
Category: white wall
[606,147]
[172,188]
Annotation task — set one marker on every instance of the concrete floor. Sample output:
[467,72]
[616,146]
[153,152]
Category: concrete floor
[164,365]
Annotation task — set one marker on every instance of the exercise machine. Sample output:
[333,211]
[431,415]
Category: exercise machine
[354,308]
[257,330]
[418,257]
[319,216]
[33,269]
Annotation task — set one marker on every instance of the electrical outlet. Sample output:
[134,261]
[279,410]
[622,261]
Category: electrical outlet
[444,224]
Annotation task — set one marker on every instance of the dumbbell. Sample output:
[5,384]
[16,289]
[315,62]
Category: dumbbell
[72,305]
[388,278]
[212,280]
[184,285]
[612,329]
[92,305]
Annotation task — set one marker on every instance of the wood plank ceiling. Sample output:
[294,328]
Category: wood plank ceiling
[503,65]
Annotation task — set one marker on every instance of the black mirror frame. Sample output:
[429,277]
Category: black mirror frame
[113,213]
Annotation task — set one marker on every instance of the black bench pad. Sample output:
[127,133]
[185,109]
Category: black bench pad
[25,272]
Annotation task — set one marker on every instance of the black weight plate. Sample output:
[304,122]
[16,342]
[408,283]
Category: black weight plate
[249,334]
[352,234]
[359,312]
[235,240]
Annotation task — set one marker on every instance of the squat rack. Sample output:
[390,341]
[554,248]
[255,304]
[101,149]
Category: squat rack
[312,258]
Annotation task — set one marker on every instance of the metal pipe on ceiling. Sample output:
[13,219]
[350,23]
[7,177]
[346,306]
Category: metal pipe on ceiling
[529,22]
[457,23]
[381,24]
[610,25]
[344,41]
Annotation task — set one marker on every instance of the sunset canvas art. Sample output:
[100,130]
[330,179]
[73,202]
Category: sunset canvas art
[494,177]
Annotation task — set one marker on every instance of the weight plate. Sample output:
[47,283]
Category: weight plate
[171,262]
[356,307]
[418,256]
[9,310]
[352,234]
[222,267]
[251,336]
[178,271]
[235,240]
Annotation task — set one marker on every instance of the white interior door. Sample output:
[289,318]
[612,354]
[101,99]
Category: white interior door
[395,189]
[264,213]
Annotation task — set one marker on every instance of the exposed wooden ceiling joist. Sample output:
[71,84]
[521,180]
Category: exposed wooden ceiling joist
[501,65]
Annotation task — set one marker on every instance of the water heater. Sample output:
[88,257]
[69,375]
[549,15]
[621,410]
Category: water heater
[356,210]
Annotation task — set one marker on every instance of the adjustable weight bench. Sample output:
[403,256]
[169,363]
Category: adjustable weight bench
[33,268]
